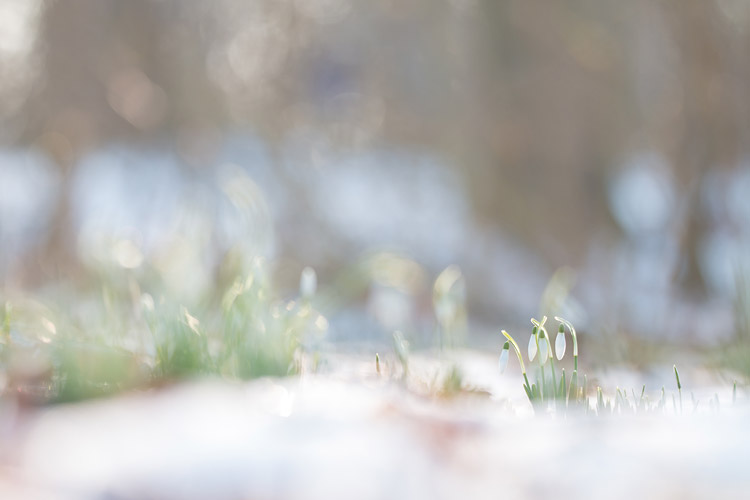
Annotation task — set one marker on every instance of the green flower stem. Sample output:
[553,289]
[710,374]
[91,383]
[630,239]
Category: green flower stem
[518,352]
[539,327]
[550,353]
[575,339]
[679,385]
[554,377]
[573,387]
[551,356]
[574,377]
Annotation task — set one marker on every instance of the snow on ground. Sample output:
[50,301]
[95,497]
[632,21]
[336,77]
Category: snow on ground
[353,434]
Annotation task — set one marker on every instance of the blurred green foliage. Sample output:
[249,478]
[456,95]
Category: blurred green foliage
[129,341]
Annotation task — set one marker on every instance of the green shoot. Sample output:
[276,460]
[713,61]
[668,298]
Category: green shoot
[679,385]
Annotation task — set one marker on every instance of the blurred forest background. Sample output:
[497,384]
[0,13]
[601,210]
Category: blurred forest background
[512,138]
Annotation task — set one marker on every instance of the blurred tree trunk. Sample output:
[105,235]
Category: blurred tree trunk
[89,45]
[65,117]
[552,106]
[708,125]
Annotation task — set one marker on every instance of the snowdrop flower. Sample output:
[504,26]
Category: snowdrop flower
[308,283]
[543,348]
[533,344]
[504,357]
[560,342]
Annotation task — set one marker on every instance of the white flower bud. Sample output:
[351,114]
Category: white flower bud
[532,347]
[543,350]
[560,345]
[503,362]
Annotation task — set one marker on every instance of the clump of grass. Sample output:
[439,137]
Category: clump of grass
[453,382]
[84,371]
[181,348]
[131,340]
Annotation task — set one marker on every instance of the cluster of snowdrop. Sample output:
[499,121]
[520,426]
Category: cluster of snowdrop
[560,392]
[538,343]
[540,348]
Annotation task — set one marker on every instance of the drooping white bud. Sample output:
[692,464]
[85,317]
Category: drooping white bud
[543,349]
[503,362]
[560,344]
[308,283]
[532,347]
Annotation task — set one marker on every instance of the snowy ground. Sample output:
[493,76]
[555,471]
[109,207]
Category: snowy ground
[351,434]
